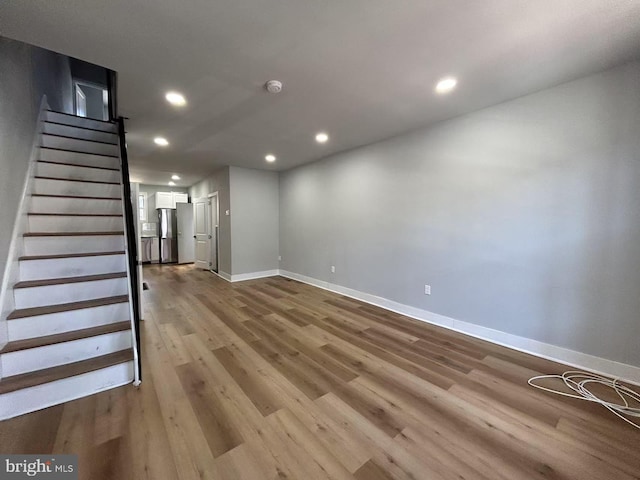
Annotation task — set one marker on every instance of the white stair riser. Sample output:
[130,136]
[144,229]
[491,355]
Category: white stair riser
[78,158]
[78,145]
[64,245]
[79,132]
[51,324]
[62,187]
[71,267]
[42,396]
[23,361]
[69,292]
[49,223]
[78,173]
[79,121]
[74,205]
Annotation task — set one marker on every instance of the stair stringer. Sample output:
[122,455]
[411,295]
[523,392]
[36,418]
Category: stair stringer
[20,226]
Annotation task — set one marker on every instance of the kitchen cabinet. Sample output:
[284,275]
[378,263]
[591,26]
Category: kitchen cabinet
[169,199]
[155,250]
[164,200]
[180,198]
[150,250]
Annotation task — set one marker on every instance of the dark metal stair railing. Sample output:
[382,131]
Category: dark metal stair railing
[131,239]
[132,251]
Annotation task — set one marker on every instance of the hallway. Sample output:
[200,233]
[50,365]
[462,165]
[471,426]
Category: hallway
[272,378]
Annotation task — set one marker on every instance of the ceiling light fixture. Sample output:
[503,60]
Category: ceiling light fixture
[322,137]
[446,85]
[175,98]
[172,184]
[163,142]
[175,177]
[270,158]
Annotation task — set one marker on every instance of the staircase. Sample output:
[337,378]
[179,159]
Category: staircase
[70,334]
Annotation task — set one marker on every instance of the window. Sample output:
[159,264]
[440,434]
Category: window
[142,206]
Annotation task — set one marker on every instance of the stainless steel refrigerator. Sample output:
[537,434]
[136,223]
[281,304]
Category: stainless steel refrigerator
[167,234]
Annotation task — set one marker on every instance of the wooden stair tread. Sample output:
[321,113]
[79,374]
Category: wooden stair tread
[74,214]
[59,179]
[79,151]
[82,197]
[36,342]
[78,165]
[69,255]
[66,307]
[71,234]
[39,377]
[62,281]
[51,122]
[108,122]
[81,139]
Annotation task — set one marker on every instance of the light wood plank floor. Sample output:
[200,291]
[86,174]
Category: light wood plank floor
[274,379]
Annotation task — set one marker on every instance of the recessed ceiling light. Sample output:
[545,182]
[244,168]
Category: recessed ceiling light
[175,177]
[175,98]
[322,137]
[163,142]
[172,184]
[446,85]
[270,158]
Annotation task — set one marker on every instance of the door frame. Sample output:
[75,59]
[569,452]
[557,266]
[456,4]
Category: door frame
[214,231]
[78,92]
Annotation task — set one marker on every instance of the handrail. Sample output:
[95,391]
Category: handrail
[132,251]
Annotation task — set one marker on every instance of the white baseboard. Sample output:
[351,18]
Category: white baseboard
[224,275]
[241,277]
[584,361]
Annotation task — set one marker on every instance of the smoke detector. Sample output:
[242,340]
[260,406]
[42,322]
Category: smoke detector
[273,86]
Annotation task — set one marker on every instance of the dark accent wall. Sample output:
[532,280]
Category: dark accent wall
[26,74]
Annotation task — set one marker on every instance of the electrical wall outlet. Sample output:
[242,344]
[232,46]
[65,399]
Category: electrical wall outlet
[279,258]
[427,289]
[333,269]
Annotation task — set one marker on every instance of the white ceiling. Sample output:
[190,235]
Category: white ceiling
[362,70]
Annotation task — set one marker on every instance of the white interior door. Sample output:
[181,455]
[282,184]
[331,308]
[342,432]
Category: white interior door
[186,245]
[214,231]
[202,242]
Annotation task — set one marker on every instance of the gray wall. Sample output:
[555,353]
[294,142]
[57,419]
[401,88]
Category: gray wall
[523,217]
[218,182]
[26,74]
[254,220]
[51,77]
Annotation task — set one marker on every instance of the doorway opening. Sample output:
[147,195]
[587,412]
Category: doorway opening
[91,100]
